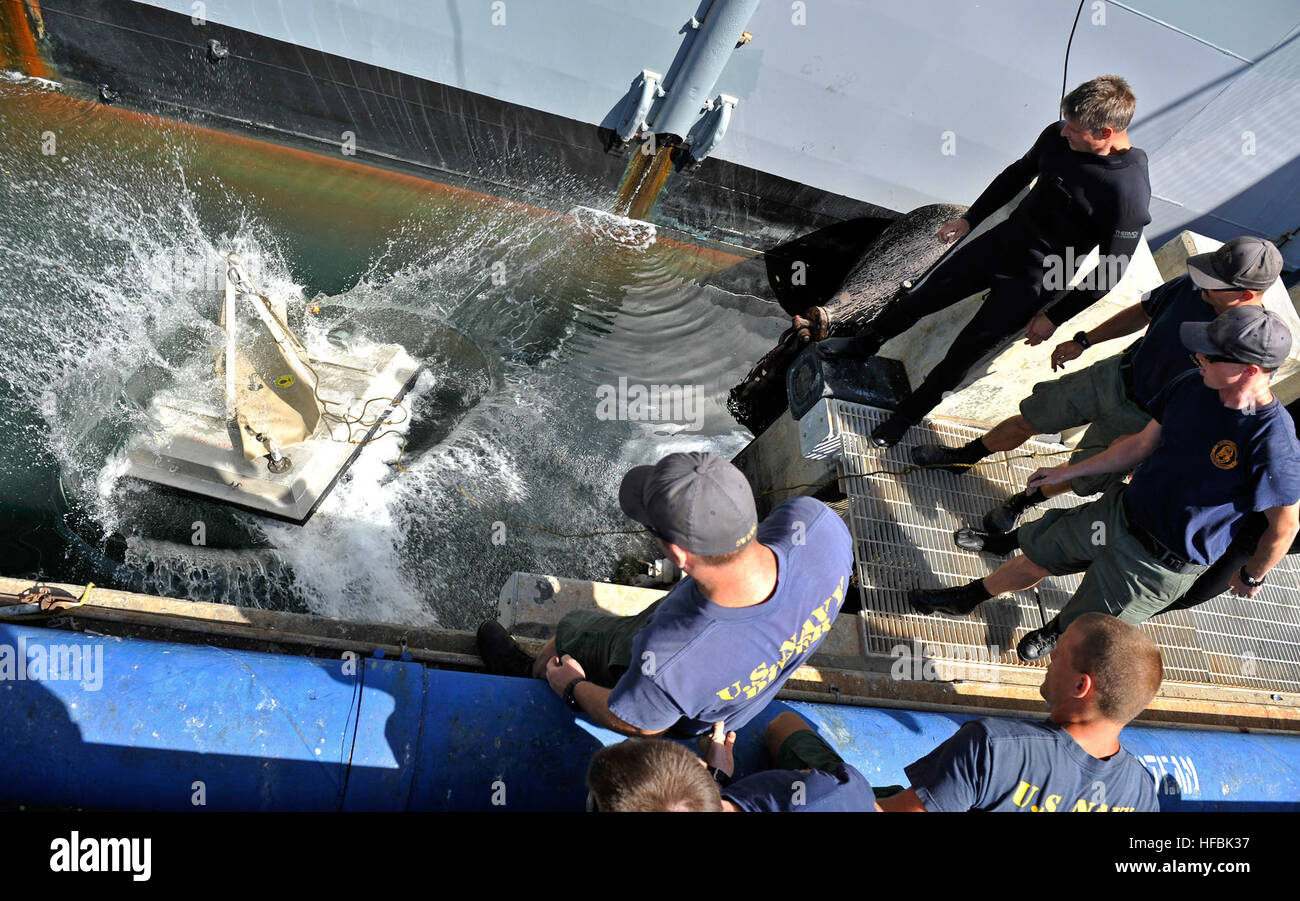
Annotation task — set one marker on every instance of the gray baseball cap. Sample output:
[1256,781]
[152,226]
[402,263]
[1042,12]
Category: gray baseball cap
[697,501]
[1248,334]
[1242,263]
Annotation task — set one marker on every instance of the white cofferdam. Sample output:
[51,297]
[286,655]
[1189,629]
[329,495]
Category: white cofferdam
[277,425]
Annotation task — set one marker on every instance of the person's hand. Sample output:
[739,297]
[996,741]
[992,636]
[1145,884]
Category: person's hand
[1064,353]
[952,230]
[716,749]
[1040,329]
[1240,588]
[1052,475]
[561,671]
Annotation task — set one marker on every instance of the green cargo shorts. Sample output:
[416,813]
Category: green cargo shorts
[601,642]
[1121,577]
[804,749]
[1094,397]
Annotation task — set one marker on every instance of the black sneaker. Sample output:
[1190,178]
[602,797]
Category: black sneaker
[1038,643]
[891,431]
[935,456]
[503,656]
[952,601]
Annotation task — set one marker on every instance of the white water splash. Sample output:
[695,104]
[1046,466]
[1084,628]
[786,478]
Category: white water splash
[20,78]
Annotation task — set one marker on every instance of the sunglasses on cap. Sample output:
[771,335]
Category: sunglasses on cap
[1218,358]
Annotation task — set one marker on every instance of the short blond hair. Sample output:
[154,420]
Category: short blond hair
[1105,102]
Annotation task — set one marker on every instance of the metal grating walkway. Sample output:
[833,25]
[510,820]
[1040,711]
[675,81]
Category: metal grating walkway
[902,523]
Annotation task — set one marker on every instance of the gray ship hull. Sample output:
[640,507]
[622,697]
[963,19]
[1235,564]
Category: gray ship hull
[844,110]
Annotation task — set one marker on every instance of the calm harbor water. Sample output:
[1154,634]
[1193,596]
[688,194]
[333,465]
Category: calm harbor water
[526,319]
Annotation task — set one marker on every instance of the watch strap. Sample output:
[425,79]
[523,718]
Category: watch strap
[1082,339]
[1250,580]
[570,698]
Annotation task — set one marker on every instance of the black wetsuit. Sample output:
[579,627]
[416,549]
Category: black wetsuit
[1081,200]
[1214,581]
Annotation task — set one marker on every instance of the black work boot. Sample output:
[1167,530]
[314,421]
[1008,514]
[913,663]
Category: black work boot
[957,460]
[1040,642]
[957,601]
[500,652]
[891,431]
[1003,519]
[999,543]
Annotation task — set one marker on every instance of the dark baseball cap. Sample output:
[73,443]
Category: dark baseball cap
[697,501]
[1242,263]
[1248,334]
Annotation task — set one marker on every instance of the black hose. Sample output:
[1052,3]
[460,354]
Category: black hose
[1065,71]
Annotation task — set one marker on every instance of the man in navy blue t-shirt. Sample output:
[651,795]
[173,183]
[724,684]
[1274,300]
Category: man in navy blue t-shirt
[662,776]
[1111,396]
[757,602]
[1219,445]
[1219,577]
[1103,673]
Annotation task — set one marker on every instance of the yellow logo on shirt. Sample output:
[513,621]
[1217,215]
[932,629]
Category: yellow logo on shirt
[814,628]
[1052,803]
[1224,454]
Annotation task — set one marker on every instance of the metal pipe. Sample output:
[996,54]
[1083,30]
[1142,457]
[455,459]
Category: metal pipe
[693,84]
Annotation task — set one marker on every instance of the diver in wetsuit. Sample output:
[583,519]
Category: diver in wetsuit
[1092,190]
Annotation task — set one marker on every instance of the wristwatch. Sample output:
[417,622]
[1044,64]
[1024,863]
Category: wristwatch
[1248,580]
[719,777]
[570,698]
[1082,340]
